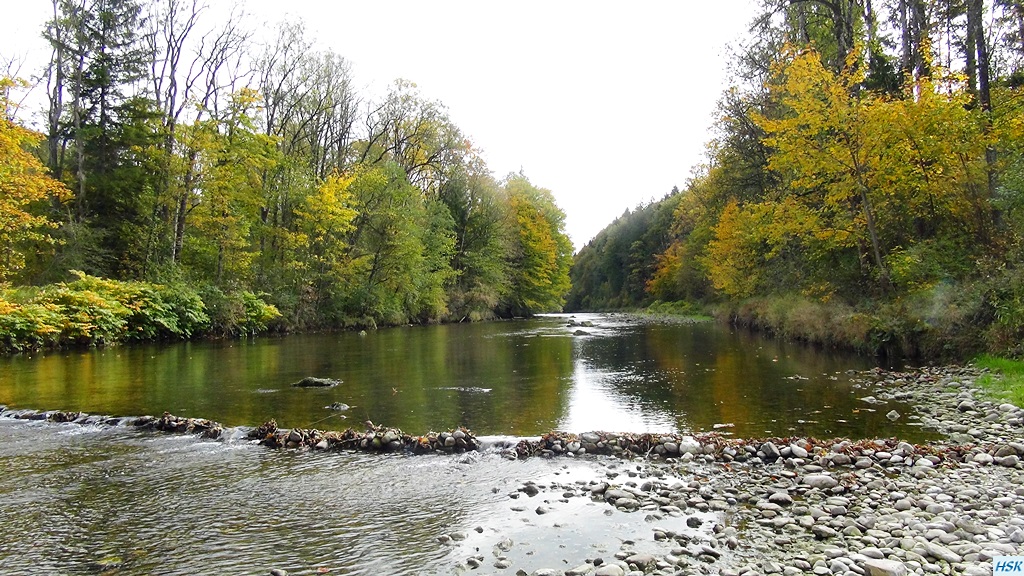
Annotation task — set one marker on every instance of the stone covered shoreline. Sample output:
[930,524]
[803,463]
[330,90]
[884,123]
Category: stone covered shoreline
[787,506]
[873,507]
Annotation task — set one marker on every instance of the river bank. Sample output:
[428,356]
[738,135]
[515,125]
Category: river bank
[717,504]
[876,507]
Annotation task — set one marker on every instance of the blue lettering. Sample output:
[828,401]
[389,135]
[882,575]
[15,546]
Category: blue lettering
[1008,564]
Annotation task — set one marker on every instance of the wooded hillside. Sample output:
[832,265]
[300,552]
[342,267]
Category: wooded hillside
[865,184]
[177,150]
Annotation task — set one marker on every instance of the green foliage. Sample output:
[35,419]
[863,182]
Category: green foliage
[482,235]
[30,326]
[237,312]
[263,190]
[614,269]
[844,201]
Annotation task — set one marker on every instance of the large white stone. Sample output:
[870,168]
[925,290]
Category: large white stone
[820,481]
[884,567]
[689,445]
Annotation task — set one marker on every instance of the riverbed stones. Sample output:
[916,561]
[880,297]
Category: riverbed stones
[610,570]
[580,570]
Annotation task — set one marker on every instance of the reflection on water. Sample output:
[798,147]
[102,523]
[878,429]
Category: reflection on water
[518,378]
[595,404]
[87,500]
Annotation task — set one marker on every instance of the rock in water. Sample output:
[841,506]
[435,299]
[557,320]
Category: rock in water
[893,415]
[314,382]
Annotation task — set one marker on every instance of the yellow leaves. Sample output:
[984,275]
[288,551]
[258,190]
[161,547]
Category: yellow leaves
[734,255]
[862,170]
[324,218]
[1008,118]
[24,183]
[331,208]
[544,253]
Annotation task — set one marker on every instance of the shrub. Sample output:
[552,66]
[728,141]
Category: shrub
[95,311]
[238,312]
[88,317]
[26,327]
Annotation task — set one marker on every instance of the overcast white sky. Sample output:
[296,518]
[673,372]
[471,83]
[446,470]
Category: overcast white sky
[607,104]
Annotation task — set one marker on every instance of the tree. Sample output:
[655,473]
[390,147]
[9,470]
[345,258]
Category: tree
[24,185]
[542,252]
[322,252]
[389,262]
[824,147]
[230,157]
[414,133]
[872,174]
[481,233]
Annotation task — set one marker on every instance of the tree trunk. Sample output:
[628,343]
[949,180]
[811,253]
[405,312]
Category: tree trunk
[76,112]
[56,79]
[976,31]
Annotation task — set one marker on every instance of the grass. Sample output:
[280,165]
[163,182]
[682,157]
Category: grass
[1005,380]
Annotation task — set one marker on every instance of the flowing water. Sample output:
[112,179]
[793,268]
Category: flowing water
[100,500]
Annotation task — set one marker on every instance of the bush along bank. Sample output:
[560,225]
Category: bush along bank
[950,324]
[91,311]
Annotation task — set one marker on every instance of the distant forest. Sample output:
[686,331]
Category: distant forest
[188,171]
[864,186]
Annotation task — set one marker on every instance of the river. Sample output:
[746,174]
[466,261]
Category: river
[85,500]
